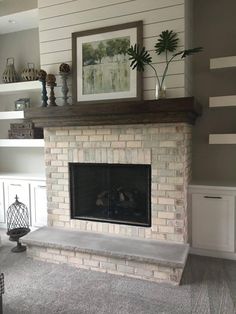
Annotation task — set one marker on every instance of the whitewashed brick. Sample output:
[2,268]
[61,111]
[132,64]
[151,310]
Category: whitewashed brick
[95,138]
[166,229]
[167,215]
[75,132]
[118,144]
[88,131]
[90,262]
[108,266]
[67,253]
[53,251]
[166,201]
[127,137]
[46,255]
[161,275]
[104,131]
[83,255]
[125,269]
[82,138]
[143,272]
[166,147]
[111,138]
[134,144]
[60,258]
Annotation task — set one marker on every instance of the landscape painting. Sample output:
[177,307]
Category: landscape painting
[101,64]
[106,66]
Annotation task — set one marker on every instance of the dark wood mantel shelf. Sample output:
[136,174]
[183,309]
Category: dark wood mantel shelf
[171,110]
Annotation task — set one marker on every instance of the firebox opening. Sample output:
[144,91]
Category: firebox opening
[116,193]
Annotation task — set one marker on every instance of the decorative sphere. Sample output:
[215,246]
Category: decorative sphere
[42,75]
[64,68]
[51,79]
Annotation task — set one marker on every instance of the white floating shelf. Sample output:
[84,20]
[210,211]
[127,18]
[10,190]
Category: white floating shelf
[19,87]
[222,139]
[222,101]
[9,115]
[21,142]
[225,62]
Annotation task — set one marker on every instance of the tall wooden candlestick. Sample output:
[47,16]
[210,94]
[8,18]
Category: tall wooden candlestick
[64,88]
[64,71]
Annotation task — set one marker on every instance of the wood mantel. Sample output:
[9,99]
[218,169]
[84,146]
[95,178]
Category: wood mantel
[170,110]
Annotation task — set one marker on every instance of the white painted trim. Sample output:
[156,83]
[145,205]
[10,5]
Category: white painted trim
[222,101]
[224,62]
[19,86]
[22,176]
[212,253]
[21,143]
[222,139]
[193,188]
[9,115]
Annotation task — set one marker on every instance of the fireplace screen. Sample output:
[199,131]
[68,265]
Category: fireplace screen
[113,193]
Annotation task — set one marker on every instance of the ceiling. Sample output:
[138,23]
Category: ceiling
[18,21]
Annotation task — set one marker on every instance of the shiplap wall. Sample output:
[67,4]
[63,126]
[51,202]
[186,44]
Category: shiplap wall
[59,18]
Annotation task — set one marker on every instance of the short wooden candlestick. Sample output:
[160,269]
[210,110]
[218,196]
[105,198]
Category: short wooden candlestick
[52,98]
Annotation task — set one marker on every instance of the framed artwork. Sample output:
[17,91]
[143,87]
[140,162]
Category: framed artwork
[101,66]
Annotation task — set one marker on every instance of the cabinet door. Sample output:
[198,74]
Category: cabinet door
[38,203]
[213,222]
[2,207]
[19,188]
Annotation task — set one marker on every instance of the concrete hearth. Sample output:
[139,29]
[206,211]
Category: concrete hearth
[145,259]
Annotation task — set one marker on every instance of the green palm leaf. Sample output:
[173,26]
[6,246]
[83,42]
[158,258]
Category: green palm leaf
[168,41]
[139,57]
[188,52]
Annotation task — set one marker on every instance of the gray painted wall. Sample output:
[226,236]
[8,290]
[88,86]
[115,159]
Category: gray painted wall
[215,30]
[22,46]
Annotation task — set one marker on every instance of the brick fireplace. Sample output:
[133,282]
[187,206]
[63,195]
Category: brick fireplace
[166,147]
[155,135]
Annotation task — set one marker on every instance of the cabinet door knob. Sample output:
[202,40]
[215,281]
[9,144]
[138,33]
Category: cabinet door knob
[215,197]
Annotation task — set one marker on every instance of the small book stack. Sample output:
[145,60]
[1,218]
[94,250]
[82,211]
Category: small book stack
[25,130]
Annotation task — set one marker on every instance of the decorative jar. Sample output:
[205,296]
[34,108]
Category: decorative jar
[10,75]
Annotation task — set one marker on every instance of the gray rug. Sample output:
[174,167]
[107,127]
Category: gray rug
[208,286]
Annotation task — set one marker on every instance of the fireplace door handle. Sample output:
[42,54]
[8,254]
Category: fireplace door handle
[214,197]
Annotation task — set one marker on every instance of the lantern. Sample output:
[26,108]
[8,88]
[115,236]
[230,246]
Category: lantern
[17,223]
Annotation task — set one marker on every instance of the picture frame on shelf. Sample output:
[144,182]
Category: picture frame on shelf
[101,66]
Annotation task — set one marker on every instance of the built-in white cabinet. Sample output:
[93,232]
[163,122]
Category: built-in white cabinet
[30,192]
[38,204]
[213,218]
[19,188]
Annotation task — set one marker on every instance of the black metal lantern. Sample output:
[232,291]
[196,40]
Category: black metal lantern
[17,224]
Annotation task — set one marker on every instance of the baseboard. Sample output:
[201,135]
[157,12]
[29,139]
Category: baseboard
[212,253]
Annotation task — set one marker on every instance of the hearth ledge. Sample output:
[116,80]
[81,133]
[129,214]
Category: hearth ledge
[144,259]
